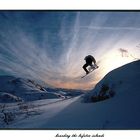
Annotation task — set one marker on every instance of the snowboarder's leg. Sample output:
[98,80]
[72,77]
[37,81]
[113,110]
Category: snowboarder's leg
[93,66]
[84,67]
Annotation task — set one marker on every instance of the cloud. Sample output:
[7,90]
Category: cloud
[52,46]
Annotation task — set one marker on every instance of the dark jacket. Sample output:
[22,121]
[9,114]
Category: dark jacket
[89,59]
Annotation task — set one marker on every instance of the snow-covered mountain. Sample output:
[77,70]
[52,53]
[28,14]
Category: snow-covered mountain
[119,111]
[14,89]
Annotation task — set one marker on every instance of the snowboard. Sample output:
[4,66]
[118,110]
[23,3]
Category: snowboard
[91,69]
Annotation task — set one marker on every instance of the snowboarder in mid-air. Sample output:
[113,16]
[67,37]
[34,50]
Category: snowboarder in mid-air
[89,59]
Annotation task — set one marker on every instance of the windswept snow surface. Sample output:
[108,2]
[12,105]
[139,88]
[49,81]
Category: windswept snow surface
[118,112]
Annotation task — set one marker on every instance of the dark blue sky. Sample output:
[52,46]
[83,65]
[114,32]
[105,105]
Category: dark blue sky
[51,45]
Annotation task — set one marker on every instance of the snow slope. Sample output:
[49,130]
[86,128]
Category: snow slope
[123,81]
[118,112]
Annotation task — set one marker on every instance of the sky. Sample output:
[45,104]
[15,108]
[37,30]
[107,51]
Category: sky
[51,45]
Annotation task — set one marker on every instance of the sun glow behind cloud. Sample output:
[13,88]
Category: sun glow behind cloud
[113,60]
[51,46]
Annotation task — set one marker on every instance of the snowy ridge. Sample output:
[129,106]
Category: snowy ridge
[23,90]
